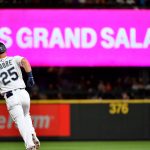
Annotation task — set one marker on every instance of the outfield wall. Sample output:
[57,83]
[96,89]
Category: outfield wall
[84,120]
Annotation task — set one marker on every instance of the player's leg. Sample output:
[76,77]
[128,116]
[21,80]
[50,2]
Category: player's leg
[18,116]
[16,112]
[28,120]
[32,130]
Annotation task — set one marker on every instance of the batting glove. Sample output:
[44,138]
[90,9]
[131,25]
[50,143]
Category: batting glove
[30,81]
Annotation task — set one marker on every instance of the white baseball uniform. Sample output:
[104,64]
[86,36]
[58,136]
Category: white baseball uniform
[12,87]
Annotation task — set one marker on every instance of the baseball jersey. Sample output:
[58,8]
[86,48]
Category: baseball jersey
[10,74]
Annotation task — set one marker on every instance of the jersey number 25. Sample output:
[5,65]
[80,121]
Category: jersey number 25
[10,72]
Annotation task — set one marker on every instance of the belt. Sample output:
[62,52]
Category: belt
[10,93]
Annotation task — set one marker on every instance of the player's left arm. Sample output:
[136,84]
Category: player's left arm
[27,67]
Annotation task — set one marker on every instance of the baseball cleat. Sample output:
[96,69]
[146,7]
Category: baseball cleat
[32,148]
[36,141]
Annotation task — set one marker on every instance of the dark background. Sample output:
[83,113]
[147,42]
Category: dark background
[119,4]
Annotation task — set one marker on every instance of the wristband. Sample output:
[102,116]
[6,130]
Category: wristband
[30,74]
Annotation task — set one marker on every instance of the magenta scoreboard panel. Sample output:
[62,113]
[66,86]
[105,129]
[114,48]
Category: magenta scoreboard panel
[77,37]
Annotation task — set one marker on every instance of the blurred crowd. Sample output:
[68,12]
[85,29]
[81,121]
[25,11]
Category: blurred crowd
[77,3]
[91,83]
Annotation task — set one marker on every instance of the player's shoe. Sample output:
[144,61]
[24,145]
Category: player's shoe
[36,141]
[31,148]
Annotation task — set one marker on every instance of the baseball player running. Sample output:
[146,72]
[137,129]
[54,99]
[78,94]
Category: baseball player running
[12,87]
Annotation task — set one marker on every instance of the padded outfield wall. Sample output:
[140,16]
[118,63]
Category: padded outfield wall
[84,120]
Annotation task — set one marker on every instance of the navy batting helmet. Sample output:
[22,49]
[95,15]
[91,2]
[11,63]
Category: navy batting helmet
[2,48]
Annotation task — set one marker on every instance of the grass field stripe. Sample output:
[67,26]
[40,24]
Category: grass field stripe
[87,101]
[97,145]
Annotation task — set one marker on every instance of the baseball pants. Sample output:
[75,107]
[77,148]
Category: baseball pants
[18,105]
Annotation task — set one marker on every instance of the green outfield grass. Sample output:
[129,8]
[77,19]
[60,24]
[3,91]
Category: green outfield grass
[139,145]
